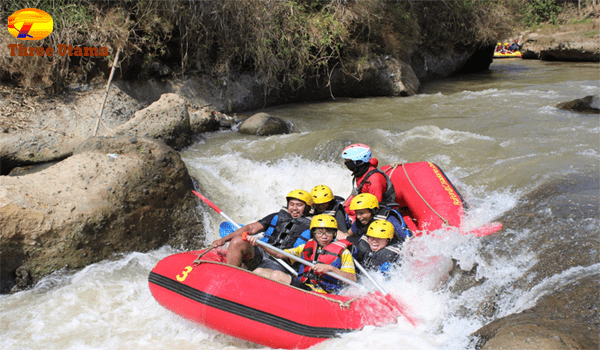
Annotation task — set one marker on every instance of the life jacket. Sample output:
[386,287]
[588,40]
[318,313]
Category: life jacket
[285,232]
[332,210]
[380,260]
[331,254]
[383,214]
[389,196]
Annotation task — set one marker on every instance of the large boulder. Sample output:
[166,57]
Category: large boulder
[41,128]
[263,124]
[112,195]
[166,119]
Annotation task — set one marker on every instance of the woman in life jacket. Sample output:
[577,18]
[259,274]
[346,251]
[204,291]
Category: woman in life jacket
[379,249]
[366,207]
[327,255]
[326,203]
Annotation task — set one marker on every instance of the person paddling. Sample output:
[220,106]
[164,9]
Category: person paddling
[327,255]
[288,228]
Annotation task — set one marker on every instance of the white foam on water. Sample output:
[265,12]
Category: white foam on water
[520,300]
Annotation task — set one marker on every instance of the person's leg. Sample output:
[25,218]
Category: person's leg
[281,277]
[263,272]
[239,251]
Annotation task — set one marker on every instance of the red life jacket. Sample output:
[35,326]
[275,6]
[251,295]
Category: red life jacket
[330,255]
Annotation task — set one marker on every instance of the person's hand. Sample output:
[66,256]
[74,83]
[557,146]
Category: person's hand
[341,235]
[321,269]
[252,239]
[218,243]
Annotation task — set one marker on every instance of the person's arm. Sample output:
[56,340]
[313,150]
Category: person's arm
[252,229]
[375,185]
[324,268]
[347,269]
[340,217]
[343,235]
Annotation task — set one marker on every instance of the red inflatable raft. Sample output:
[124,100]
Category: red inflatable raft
[242,304]
[428,200]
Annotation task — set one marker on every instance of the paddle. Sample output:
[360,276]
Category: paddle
[394,305]
[302,261]
[226,228]
[237,226]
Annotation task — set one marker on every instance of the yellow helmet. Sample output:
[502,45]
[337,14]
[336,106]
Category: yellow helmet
[300,195]
[364,201]
[499,44]
[505,44]
[323,220]
[381,229]
[321,194]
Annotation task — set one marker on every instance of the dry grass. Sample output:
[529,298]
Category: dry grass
[282,42]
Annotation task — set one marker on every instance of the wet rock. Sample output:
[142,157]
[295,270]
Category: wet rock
[166,119]
[563,319]
[562,287]
[263,124]
[109,207]
[515,336]
[589,104]
[206,120]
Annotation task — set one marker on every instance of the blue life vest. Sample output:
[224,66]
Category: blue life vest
[285,232]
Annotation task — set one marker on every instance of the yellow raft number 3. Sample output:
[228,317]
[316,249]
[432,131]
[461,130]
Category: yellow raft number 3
[184,274]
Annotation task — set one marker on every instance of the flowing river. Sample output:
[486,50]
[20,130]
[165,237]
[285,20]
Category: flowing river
[513,156]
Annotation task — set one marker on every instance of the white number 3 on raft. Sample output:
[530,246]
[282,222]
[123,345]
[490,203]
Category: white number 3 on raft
[184,274]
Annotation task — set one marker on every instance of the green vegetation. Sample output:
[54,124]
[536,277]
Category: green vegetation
[284,42]
[535,12]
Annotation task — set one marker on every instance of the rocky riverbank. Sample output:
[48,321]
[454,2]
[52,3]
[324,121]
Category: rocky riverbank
[577,42]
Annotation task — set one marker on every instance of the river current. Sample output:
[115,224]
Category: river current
[498,137]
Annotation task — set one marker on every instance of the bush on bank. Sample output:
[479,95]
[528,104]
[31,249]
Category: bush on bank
[283,42]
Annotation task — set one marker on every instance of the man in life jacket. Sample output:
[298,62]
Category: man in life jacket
[367,210]
[327,255]
[379,249]
[367,177]
[288,228]
[326,203]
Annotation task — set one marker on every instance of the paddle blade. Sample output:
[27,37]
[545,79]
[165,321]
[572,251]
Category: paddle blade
[397,307]
[486,230]
[226,228]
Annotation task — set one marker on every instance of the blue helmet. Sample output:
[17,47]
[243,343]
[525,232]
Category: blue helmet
[356,152]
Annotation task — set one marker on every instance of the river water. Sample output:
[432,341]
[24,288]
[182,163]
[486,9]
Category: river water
[497,136]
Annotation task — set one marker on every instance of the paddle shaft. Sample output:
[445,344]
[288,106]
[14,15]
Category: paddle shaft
[219,211]
[235,224]
[302,261]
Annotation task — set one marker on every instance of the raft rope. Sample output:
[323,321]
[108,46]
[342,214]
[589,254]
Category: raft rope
[198,261]
[342,304]
[446,222]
